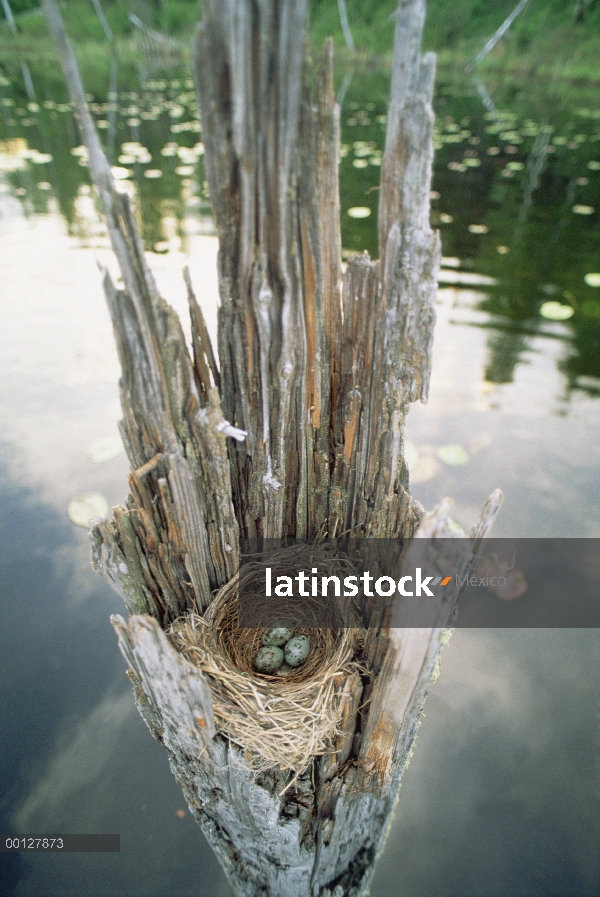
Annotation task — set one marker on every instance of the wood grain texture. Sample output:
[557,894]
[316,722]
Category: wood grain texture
[177,539]
[296,430]
[322,835]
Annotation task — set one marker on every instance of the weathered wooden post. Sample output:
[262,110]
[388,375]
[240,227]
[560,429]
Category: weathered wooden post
[298,430]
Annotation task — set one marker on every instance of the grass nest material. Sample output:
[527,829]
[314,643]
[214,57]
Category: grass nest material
[280,721]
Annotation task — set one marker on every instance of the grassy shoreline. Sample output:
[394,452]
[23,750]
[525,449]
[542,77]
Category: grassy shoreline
[543,43]
[525,65]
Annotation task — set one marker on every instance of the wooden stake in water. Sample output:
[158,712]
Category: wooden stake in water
[299,433]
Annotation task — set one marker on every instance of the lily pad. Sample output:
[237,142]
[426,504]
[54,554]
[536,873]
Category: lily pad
[359,212]
[105,449]
[426,469]
[453,454]
[82,508]
[40,158]
[586,382]
[120,174]
[550,289]
[411,454]
[556,311]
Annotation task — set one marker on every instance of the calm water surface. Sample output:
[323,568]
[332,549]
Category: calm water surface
[502,794]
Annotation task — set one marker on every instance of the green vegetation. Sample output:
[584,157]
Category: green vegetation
[176,18]
[511,204]
[544,40]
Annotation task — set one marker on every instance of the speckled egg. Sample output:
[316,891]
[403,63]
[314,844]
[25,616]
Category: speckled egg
[268,659]
[279,633]
[297,650]
[284,670]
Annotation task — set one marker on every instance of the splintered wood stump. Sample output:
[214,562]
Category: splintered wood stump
[297,430]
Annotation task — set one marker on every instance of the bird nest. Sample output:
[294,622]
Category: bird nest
[279,721]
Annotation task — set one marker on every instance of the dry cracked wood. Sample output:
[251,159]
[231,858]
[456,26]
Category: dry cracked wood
[297,430]
[323,402]
[177,539]
[323,835]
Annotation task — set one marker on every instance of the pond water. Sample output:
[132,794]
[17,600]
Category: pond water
[502,794]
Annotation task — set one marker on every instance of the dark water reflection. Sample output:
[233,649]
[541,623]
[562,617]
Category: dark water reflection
[516,187]
[500,797]
[76,756]
[516,194]
[502,794]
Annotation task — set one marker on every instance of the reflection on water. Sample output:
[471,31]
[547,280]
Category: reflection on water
[499,797]
[152,138]
[516,189]
[75,753]
[516,193]
[508,806]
